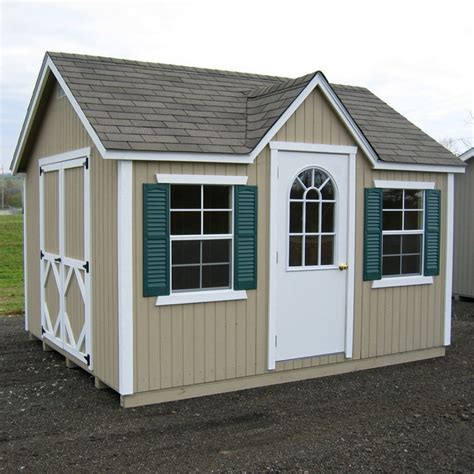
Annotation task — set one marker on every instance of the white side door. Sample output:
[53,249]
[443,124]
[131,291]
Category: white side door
[65,255]
[312,199]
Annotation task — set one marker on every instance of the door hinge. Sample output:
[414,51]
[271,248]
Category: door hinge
[41,255]
[276,340]
[41,170]
[42,330]
[86,267]
[86,163]
[88,359]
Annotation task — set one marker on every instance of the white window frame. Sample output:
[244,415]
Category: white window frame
[200,295]
[404,280]
[320,233]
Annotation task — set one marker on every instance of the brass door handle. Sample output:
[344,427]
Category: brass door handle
[343,266]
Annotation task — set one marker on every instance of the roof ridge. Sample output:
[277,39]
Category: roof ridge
[85,57]
[288,85]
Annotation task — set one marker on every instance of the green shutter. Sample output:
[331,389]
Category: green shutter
[245,237]
[373,208]
[156,238]
[432,231]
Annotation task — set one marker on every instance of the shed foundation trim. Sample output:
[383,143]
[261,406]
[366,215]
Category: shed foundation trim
[272,378]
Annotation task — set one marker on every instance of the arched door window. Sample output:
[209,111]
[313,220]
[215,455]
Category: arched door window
[312,220]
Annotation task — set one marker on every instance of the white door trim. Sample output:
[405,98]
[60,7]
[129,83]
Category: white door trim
[125,275]
[351,152]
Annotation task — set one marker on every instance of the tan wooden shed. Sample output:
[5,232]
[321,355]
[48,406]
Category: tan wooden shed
[193,231]
[463,275]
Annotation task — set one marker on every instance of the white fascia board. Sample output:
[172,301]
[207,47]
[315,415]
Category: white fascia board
[384,165]
[200,179]
[378,183]
[467,154]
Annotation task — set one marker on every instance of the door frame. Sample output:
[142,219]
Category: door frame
[275,215]
[60,162]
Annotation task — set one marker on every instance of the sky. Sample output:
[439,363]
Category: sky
[416,55]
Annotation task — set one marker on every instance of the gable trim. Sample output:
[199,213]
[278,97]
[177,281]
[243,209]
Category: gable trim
[317,81]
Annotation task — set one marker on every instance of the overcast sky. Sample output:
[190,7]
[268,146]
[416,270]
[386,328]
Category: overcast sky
[416,55]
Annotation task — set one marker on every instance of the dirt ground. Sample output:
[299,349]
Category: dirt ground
[416,416]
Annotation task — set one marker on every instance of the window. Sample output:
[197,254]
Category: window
[402,232]
[201,237]
[312,220]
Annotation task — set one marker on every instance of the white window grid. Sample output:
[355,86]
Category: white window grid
[202,236]
[305,234]
[401,232]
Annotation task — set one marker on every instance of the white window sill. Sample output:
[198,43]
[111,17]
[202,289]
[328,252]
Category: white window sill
[201,297]
[388,282]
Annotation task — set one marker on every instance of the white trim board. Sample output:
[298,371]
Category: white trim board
[403,184]
[69,155]
[402,281]
[125,275]
[448,287]
[318,80]
[201,297]
[467,155]
[200,179]
[25,256]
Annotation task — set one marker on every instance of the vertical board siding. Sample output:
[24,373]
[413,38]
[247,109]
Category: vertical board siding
[60,131]
[207,342]
[463,263]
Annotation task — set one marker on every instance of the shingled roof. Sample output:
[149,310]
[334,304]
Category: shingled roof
[146,106]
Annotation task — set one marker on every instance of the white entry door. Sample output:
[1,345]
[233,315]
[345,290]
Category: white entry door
[312,202]
[65,255]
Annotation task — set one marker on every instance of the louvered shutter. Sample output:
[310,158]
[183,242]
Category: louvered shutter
[245,237]
[373,208]
[156,238]
[432,231]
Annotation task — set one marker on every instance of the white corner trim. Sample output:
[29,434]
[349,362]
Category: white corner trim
[388,282]
[349,335]
[201,297]
[69,155]
[125,275]
[403,184]
[313,147]
[25,264]
[200,179]
[448,290]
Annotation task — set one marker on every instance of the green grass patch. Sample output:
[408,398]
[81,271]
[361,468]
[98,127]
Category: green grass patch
[11,264]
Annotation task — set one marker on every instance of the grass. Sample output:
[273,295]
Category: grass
[11,264]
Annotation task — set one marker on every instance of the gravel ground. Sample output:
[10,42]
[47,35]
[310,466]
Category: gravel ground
[415,416]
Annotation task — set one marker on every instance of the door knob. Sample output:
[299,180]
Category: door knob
[343,266]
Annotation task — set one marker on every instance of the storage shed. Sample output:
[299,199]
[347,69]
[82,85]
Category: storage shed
[193,231]
[463,275]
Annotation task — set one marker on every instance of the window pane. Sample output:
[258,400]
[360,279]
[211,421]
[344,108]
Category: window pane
[413,220]
[411,244]
[216,276]
[185,196]
[215,251]
[306,177]
[296,217]
[296,190]
[295,251]
[185,278]
[217,222]
[328,191]
[413,199]
[319,178]
[216,197]
[392,220]
[327,250]
[392,198]
[185,223]
[312,216]
[391,266]
[391,244]
[313,195]
[311,250]
[411,264]
[186,252]
[328,217]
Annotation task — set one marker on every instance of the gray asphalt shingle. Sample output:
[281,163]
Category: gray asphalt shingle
[146,106]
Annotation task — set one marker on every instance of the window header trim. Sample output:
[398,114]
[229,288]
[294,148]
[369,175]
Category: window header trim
[201,179]
[421,185]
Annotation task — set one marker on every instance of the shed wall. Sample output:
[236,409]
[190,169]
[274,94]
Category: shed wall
[189,344]
[60,131]
[463,263]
